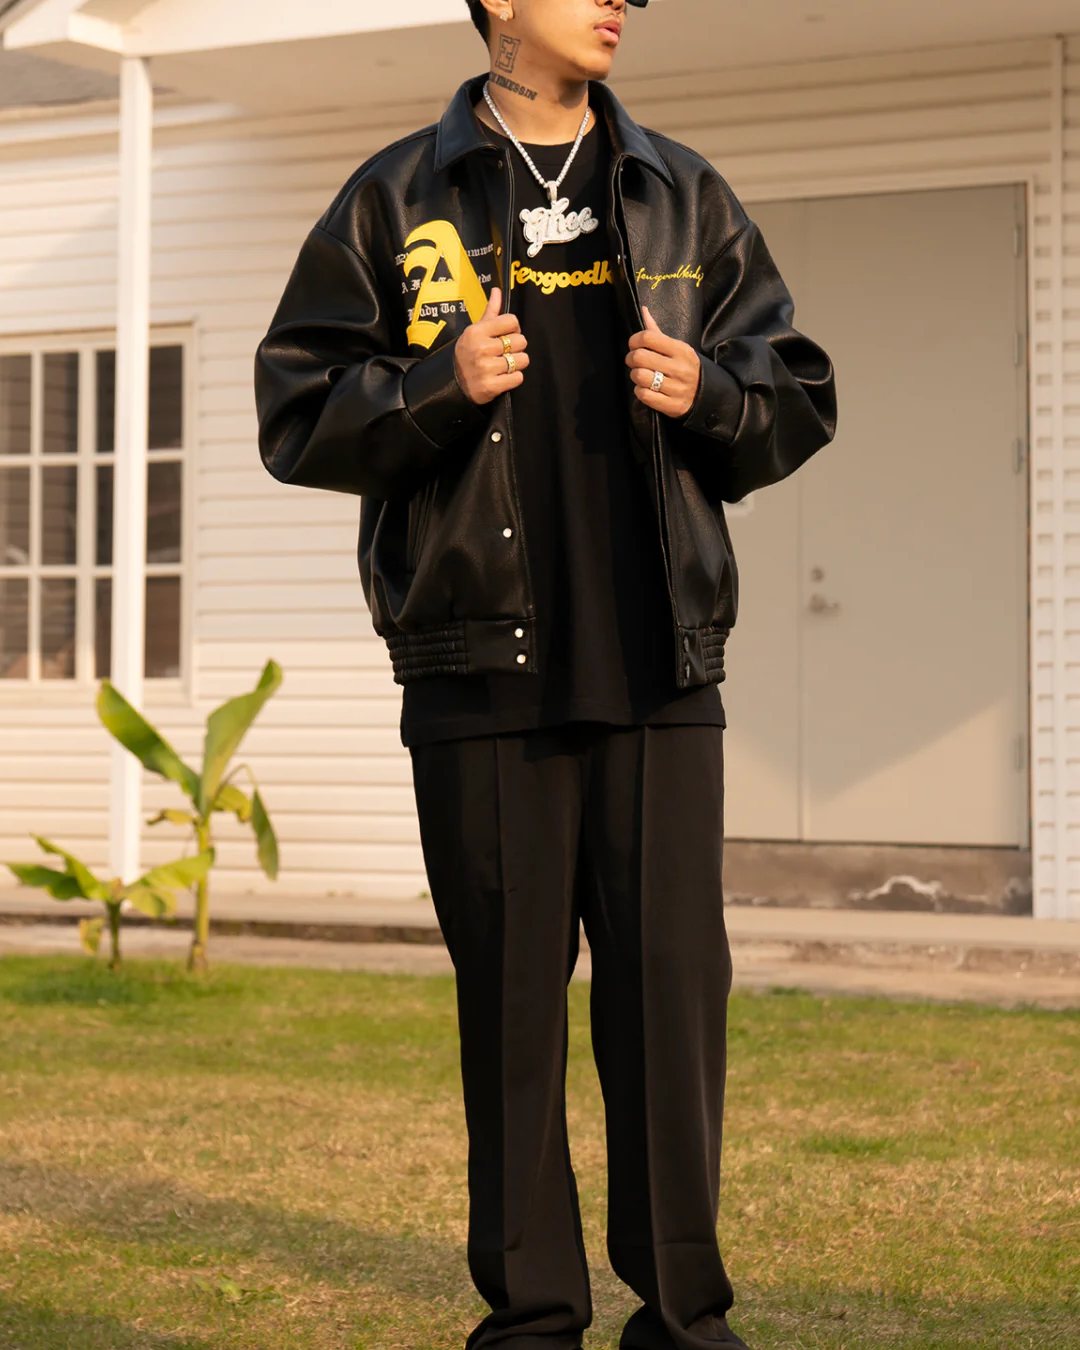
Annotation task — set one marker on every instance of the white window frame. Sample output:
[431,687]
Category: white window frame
[86,570]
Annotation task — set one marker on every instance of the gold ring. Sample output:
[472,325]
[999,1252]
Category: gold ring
[511,364]
[507,345]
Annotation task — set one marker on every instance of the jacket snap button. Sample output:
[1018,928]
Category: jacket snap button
[496,437]
[519,632]
[522,658]
[508,533]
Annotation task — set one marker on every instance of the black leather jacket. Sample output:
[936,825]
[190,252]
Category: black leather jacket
[357,393]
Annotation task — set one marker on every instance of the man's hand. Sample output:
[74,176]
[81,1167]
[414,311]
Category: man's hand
[480,354]
[680,365]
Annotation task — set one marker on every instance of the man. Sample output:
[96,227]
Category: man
[543,461]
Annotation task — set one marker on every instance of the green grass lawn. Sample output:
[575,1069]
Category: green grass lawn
[275,1160]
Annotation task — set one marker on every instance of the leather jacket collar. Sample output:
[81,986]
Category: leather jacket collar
[461,133]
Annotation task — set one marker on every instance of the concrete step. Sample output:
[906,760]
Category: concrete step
[977,943]
[758,966]
[991,944]
[311,918]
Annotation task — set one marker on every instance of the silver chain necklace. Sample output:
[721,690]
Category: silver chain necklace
[549,224]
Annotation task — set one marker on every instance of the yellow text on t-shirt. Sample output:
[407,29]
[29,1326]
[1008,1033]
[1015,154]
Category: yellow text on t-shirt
[599,274]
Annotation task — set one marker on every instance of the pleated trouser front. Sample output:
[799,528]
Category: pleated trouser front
[524,836]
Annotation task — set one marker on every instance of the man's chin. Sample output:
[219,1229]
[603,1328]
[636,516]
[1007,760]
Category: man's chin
[599,68]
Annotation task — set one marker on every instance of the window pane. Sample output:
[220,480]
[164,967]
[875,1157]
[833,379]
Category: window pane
[166,398]
[106,402]
[163,518]
[102,628]
[14,405]
[59,515]
[166,426]
[58,629]
[60,427]
[162,627]
[14,517]
[14,628]
[104,552]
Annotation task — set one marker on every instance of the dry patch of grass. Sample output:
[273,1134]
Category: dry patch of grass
[276,1159]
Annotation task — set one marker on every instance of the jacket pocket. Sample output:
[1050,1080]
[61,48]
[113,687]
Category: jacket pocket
[728,609]
[419,516]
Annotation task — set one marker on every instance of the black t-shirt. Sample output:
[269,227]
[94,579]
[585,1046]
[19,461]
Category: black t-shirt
[605,633]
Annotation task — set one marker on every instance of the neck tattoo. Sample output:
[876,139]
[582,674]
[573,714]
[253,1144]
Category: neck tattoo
[550,224]
[512,86]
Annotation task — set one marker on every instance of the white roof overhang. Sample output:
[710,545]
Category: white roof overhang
[266,53]
[164,27]
[279,54]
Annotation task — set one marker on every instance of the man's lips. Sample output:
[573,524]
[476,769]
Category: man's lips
[610,31]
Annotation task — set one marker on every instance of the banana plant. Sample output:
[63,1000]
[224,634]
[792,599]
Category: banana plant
[154,894]
[210,791]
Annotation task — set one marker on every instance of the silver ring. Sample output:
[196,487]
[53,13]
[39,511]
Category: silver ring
[657,381]
[511,364]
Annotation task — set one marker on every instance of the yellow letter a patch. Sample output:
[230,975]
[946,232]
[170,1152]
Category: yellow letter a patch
[429,246]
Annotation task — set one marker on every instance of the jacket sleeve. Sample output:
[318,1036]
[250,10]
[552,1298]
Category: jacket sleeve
[338,411]
[767,398]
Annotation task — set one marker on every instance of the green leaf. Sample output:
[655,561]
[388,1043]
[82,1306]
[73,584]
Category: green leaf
[265,837]
[182,818]
[90,931]
[231,1292]
[232,799]
[155,893]
[227,727]
[229,1289]
[178,875]
[89,886]
[60,885]
[148,746]
[154,904]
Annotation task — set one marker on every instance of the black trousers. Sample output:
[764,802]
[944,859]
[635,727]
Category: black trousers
[524,835]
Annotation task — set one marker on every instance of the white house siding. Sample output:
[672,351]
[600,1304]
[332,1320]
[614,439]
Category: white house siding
[998,113]
[274,569]
[1056,501]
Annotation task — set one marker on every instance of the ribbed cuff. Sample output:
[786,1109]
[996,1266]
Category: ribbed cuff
[436,402]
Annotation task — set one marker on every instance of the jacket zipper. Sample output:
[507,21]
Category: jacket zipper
[629,271]
[508,252]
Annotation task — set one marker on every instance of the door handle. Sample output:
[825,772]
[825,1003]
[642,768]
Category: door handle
[819,605]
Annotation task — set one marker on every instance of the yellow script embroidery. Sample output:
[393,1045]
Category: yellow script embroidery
[427,247]
[683,274]
[600,274]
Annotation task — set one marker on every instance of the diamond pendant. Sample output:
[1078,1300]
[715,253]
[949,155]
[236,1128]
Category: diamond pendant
[551,224]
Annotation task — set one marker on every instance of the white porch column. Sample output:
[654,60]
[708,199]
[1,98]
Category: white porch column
[132,406]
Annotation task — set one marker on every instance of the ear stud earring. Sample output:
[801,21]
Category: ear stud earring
[505,16]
